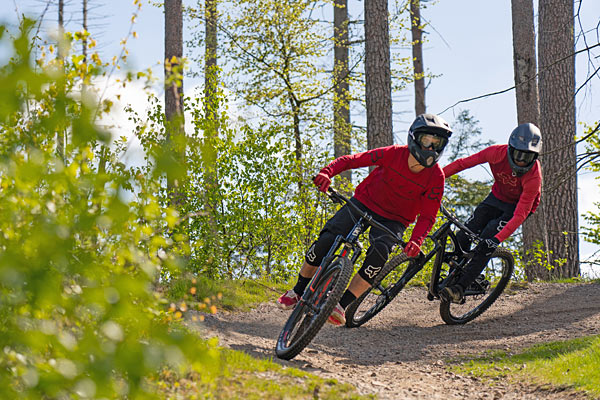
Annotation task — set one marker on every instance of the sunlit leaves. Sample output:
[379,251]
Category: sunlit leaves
[78,263]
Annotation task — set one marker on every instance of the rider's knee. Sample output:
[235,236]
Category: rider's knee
[315,253]
[369,272]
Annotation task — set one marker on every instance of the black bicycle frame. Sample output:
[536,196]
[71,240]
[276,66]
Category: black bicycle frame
[350,242]
[417,264]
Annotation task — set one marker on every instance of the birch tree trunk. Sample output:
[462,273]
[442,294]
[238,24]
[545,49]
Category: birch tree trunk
[60,136]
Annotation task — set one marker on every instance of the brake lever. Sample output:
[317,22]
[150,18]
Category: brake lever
[333,196]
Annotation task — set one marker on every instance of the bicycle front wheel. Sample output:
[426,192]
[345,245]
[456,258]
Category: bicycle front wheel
[482,293]
[308,317]
[371,302]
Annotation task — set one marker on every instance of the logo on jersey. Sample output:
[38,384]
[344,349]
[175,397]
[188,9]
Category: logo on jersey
[376,155]
[372,271]
[434,193]
[507,179]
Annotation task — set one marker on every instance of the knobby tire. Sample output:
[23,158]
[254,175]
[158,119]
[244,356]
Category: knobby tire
[327,294]
[455,314]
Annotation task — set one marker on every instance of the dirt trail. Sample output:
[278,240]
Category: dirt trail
[400,354]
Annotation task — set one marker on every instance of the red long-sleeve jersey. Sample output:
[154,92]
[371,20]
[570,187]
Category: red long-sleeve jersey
[392,190]
[524,191]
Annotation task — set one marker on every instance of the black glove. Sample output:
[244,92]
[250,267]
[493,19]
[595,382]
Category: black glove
[487,246]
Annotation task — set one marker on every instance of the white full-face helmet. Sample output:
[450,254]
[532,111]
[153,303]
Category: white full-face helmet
[524,146]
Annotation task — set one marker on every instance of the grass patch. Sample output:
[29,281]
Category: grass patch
[231,295]
[514,287]
[234,374]
[573,363]
[240,376]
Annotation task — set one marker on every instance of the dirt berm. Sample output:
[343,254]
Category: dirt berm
[402,353]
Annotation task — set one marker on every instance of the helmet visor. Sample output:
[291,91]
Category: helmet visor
[523,157]
[429,141]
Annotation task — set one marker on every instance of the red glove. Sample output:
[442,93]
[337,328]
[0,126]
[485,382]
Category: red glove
[412,249]
[322,181]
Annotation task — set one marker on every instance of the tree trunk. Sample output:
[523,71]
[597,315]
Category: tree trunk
[557,110]
[295,106]
[417,53]
[211,112]
[60,136]
[341,101]
[210,61]
[378,90]
[174,98]
[528,110]
[85,28]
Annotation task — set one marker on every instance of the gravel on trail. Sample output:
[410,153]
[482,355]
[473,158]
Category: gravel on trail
[403,351]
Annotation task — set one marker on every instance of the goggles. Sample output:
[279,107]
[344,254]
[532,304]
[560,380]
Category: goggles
[526,157]
[429,141]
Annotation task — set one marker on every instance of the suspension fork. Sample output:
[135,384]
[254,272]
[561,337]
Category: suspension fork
[439,238]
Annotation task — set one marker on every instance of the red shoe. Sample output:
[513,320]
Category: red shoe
[337,316]
[288,300]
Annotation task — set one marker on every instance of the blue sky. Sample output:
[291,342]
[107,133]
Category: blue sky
[469,45]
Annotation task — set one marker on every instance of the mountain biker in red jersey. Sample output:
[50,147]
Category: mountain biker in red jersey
[515,195]
[406,182]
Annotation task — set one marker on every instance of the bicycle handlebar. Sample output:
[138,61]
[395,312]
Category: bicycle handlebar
[452,218]
[336,197]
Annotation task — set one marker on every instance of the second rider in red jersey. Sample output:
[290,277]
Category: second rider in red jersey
[515,195]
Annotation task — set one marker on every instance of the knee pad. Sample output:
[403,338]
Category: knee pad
[376,257]
[369,272]
[315,253]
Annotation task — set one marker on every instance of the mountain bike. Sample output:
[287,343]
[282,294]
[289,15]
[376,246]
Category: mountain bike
[327,285]
[448,265]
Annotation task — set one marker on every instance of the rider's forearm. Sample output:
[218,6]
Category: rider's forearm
[422,227]
[461,164]
[512,224]
[524,207]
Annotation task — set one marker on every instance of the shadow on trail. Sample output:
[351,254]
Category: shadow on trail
[554,316]
[412,330]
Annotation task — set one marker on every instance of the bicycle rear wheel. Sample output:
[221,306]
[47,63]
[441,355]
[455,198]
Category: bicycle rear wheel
[371,302]
[483,292]
[308,317]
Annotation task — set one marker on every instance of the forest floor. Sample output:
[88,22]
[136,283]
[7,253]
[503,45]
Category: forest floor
[404,352]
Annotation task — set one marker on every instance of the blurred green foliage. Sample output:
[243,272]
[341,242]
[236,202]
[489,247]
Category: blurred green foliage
[78,264]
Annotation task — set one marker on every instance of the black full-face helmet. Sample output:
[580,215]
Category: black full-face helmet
[524,146]
[427,137]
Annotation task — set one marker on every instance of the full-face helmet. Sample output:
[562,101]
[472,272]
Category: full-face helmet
[524,146]
[427,137]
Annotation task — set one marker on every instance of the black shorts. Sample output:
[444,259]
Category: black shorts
[341,224]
